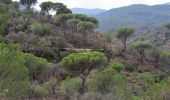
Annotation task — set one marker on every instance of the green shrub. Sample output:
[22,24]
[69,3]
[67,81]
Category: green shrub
[70,84]
[143,81]
[40,92]
[102,82]
[116,65]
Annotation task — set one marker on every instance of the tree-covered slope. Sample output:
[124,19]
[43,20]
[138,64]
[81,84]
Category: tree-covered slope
[137,16]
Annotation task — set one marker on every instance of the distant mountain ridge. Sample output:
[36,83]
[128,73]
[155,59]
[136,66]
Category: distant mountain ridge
[137,16]
[87,11]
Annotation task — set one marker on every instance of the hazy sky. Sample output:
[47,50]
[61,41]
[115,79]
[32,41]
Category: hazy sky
[104,4]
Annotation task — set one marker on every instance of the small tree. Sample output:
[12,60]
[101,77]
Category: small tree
[62,20]
[123,34]
[141,47]
[73,24]
[82,63]
[86,27]
[28,3]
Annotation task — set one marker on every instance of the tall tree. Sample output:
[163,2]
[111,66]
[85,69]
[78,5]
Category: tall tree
[123,34]
[46,7]
[28,3]
[81,64]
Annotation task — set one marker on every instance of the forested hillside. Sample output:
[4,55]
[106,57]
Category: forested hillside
[137,16]
[63,57]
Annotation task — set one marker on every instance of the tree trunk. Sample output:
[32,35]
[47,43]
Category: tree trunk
[124,43]
[82,90]
[58,54]
[142,54]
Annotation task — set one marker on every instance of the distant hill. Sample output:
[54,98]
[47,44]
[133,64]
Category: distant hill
[137,16]
[87,11]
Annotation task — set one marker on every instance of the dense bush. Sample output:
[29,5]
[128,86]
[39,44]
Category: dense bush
[102,82]
[106,81]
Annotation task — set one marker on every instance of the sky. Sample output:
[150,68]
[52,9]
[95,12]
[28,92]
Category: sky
[103,4]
